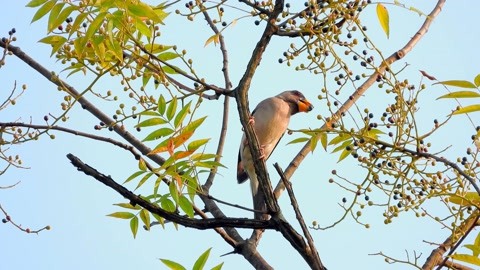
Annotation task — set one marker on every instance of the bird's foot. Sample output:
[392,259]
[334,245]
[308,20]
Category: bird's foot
[262,152]
[251,120]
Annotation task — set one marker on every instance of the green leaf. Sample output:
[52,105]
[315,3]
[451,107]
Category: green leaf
[476,81]
[194,145]
[143,28]
[152,122]
[128,206]
[55,41]
[172,187]
[122,215]
[133,176]
[339,138]
[159,219]
[145,217]
[172,108]
[167,205]
[77,22]
[202,156]
[159,133]
[299,140]
[345,153]
[186,206]
[458,83]
[169,70]
[468,109]
[134,226]
[383,18]
[143,180]
[181,115]
[149,113]
[162,105]
[202,260]
[143,10]
[156,48]
[172,265]
[461,94]
[324,140]
[43,10]
[342,146]
[192,186]
[62,16]
[477,244]
[142,166]
[95,25]
[192,126]
[466,199]
[474,248]
[466,258]
[167,56]
[217,267]
[53,16]
[35,3]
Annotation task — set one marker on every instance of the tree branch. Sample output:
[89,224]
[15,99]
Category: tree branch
[87,105]
[208,223]
[292,167]
[311,253]
[461,231]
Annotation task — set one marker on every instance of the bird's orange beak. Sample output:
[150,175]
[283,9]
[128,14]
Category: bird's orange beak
[304,106]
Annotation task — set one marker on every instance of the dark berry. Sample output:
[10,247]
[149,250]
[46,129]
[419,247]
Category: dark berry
[344,200]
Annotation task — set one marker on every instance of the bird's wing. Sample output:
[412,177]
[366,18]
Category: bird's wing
[242,175]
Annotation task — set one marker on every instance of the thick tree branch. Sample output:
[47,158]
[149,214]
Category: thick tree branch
[436,257]
[241,92]
[208,223]
[242,104]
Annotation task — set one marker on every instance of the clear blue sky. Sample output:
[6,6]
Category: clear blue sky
[82,237]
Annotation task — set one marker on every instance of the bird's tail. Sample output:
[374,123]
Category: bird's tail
[258,200]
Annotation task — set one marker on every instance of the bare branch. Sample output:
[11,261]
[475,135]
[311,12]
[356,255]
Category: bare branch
[152,208]
[311,251]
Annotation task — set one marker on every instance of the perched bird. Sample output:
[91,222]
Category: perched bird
[270,121]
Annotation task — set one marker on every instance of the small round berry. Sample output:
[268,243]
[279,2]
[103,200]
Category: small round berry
[344,200]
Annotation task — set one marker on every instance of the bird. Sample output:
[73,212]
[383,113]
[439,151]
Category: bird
[270,120]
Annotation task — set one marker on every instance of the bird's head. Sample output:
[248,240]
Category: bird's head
[296,100]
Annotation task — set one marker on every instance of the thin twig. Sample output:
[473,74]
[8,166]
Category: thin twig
[311,246]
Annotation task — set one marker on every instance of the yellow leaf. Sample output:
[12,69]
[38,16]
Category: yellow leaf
[383,18]
[215,39]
